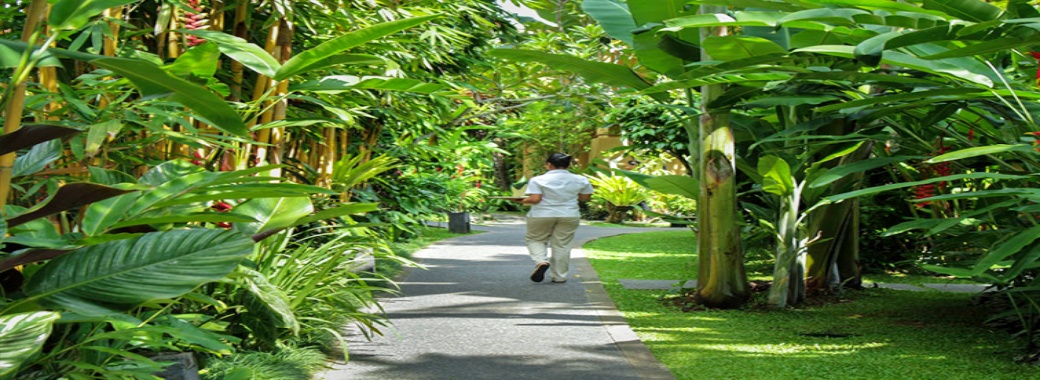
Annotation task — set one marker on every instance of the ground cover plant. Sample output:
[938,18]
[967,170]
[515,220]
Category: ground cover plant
[870,333]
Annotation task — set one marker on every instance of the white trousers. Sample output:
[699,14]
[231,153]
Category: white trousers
[557,232]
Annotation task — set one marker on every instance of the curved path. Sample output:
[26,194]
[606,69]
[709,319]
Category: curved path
[474,314]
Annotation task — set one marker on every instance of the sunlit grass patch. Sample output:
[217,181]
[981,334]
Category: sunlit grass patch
[867,334]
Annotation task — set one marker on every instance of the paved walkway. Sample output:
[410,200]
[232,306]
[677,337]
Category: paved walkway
[474,314]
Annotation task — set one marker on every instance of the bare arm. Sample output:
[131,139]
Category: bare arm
[531,199]
[584,197]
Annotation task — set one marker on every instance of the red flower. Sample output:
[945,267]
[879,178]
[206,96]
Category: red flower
[221,206]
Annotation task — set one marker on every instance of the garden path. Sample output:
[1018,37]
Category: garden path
[474,314]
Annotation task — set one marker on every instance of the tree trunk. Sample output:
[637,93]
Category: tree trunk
[721,280]
[834,260]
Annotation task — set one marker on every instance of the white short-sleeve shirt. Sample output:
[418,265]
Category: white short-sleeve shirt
[559,189]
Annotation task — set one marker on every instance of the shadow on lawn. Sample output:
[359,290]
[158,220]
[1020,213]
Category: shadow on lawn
[876,334]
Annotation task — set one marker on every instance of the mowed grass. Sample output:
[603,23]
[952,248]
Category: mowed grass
[868,334]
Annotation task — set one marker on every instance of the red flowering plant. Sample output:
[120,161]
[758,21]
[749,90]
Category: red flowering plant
[464,192]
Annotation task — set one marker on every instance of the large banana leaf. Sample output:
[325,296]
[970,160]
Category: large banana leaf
[246,53]
[313,57]
[599,72]
[154,81]
[273,298]
[129,272]
[22,336]
[969,10]
[272,213]
[340,83]
[74,14]
[613,16]
[649,15]
[674,184]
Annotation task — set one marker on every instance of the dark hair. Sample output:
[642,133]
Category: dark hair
[559,160]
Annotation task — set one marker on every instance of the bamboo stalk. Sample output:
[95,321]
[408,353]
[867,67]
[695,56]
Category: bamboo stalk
[16,103]
[240,31]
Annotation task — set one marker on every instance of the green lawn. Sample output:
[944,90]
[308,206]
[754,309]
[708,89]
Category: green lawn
[871,334]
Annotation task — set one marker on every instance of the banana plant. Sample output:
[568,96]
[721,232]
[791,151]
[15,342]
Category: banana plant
[620,193]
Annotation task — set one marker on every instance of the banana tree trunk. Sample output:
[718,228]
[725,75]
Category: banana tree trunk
[834,260]
[789,271]
[721,280]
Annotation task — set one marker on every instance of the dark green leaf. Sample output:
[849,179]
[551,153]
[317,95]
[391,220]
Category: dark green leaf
[153,81]
[194,217]
[840,172]
[1011,246]
[38,157]
[132,271]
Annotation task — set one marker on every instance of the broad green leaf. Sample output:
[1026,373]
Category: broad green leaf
[1009,247]
[11,57]
[984,194]
[272,213]
[907,226]
[740,18]
[649,16]
[340,83]
[1022,263]
[979,151]
[984,47]
[884,188]
[22,336]
[776,176]
[897,98]
[729,48]
[831,16]
[246,53]
[338,211]
[37,158]
[132,271]
[352,59]
[613,16]
[169,171]
[74,14]
[194,217]
[955,272]
[175,188]
[311,58]
[840,172]
[970,10]
[153,81]
[108,177]
[748,79]
[200,61]
[273,298]
[599,72]
[97,134]
[100,216]
[675,184]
